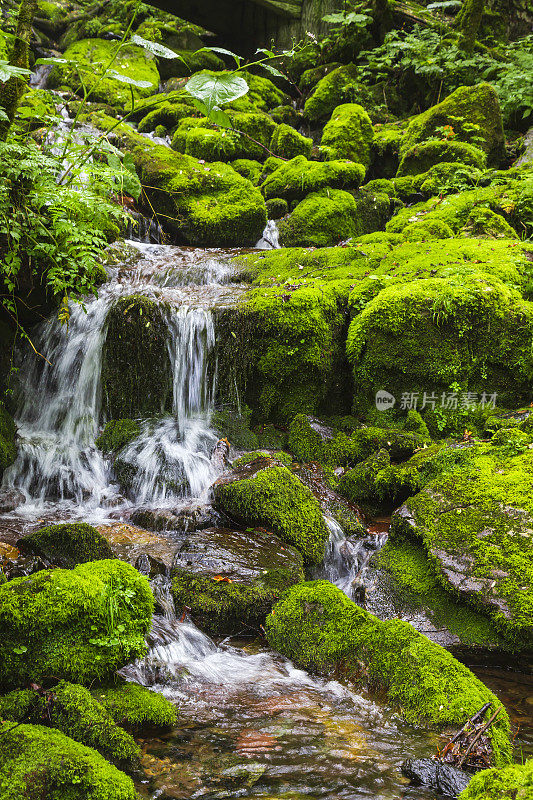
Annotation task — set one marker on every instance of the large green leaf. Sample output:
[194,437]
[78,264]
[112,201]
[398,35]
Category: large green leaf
[215,89]
[118,76]
[8,71]
[155,48]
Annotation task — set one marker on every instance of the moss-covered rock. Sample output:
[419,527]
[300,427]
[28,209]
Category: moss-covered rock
[89,58]
[136,374]
[263,493]
[40,762]
[166,113]
[262,94]
[116,434]
[276,207]
[249,168]
[249,137]
[349,134]
[67,545]
[77,624]
[475,524]
[421,157]
[322,219]
[337,87]
[71,709]
[485,223]
[206,204]
[474,105]
[385,152]
[317,626]
[288,143]
[429,333]
[358,483]
[8,447]
[136,708]
[231,579]
[298,177]
[514,782]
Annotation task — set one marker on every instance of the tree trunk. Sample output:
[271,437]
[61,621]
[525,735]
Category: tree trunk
[11,91]
[468,21]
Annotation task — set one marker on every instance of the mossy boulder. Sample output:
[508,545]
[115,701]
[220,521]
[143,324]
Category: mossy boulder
[299,177]
[514,782]
[116,434]
[318,627]
[322,219]
[71,709]
[277,207]
[41,762]
[80,624]
[426,334]
[421,157]
[288,143]
[136,708]
[357,484]
[67,545]
[262,94]
[8,447]
[385,152]
[249,168]
[264,492]
[136,374]
[231,579]
[337,87]
[311,440]
[249,137]
[475,523]
[348,134]
[484,223]
[91,56]
[205,204]
[474,105]
[166,113]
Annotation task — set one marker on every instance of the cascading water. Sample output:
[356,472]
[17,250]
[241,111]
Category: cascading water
[59,469]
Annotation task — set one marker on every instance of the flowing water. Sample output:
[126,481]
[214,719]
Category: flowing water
[251,724]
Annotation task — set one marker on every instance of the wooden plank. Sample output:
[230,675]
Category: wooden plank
[291,9]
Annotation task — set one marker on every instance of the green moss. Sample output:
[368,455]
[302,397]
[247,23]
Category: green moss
[415,579]
[295,179]
[385,153]
[514,782]
[474,522]
[288,143]
[8,447]
[40,762]
[339,86]
[91,56]
[484,223]
[428,333]
[229,608]
[277,207]
[280,457]
[249,137]
[77,624]
[116,434]
[207,204]
[67,545]
[357,485]
[421,157]
[446,177]
[475,105]
[136,375]
[349,134]
[275,498]
[318,627]
[166,113]
[189,62]
[307,443]
[235,427]
[136,708]
[73,711]
[249,169]
[262,93]
[322,219]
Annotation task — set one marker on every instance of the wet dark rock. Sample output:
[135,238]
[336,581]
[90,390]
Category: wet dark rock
[164,519]
[23,566]
[230,579]
[239,555]
[10,499]
[130,543]
[150,566]
[442,778]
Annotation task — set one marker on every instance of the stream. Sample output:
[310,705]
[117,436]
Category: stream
[251,724]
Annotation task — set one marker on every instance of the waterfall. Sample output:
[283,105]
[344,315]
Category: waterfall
[270,238]
[59,468]
[346,561]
